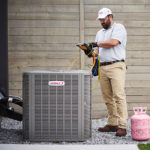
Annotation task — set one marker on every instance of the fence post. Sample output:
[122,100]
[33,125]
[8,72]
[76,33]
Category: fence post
[82,31]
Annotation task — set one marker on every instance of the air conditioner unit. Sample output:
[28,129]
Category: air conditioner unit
[57,105]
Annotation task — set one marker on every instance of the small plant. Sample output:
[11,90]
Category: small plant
[144,146]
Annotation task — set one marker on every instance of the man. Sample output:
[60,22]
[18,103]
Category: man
[111,42]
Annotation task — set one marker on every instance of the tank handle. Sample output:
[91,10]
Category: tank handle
[139,110]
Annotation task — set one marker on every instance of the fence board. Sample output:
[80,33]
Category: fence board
[43,8]
[138,76]
[43,16]
[42,62]
[131,105]
[140,46]
[40,55]
[138,54]
[102,106]
[42,47]
[126,23]
[136,91]
[43,39]
[43,2]
[131,39]
[138,69]
[116,2]
[43,31]
[133,99]
[89,31]
[122,16]
[43,24]
[138,83]
[137,62]
[119,8]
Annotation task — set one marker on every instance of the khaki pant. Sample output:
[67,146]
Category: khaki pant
[112,81]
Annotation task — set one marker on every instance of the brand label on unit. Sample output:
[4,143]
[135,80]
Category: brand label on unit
[56,83]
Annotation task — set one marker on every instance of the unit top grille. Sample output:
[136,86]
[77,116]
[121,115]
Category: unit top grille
[59,71]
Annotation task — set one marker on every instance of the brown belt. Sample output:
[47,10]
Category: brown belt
[109,63]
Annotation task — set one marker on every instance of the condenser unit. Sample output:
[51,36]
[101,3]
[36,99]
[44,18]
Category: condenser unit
[57,105]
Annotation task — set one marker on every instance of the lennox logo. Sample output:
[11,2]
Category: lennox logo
[56,83]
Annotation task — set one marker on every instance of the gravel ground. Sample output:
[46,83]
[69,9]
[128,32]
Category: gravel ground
[11,133]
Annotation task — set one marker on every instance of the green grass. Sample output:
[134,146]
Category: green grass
[144,146]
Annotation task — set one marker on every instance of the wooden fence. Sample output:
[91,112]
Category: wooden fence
[42,34]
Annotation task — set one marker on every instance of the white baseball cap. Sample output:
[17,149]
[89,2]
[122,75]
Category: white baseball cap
[103,13]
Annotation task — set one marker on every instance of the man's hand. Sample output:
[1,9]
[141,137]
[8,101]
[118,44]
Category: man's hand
[95,53]
[86,48]
[108,43]
[93,44]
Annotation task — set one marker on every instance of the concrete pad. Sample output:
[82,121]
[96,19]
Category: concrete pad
[66,147]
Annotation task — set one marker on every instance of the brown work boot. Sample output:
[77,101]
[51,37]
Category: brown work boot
[108,128]
[121,132]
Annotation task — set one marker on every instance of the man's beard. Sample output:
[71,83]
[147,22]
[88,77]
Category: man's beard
[106,25]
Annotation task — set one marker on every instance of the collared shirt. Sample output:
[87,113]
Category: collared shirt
[118,32]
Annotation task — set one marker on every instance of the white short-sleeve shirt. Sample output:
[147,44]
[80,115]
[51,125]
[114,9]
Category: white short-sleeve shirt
[118,32]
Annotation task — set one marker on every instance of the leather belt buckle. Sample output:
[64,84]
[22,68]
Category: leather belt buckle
[111,62]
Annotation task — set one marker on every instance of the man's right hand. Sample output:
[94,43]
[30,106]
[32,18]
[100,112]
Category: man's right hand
[93,44]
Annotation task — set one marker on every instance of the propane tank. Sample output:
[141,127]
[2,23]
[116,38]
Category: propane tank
[140,124]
